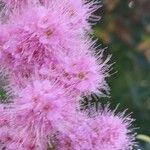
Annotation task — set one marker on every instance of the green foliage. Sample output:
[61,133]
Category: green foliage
[143,138]
[2,94]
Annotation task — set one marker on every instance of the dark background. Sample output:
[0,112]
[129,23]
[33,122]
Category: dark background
[125,30]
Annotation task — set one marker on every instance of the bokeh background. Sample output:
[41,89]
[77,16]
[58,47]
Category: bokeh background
[125,30]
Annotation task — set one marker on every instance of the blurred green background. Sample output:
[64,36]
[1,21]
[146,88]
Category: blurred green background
[125,29]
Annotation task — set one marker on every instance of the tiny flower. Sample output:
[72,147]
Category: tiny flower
[17,4]
[40,109]
[112,131]
[82,72]
[76,138]
[79,12]
[107,131]
[4,36]
[33,35]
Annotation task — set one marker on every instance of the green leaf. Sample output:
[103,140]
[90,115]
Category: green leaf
[144,138]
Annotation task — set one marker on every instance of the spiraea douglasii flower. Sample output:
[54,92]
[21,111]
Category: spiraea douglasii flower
[46,47]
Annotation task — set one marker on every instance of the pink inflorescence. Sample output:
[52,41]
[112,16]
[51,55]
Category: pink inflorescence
[108,131]
[46,47]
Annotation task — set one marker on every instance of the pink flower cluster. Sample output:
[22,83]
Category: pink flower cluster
[46,47]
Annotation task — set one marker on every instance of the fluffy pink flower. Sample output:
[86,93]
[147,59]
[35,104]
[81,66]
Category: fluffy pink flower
[112,132]
[31,43]
[78,137]
[81,69]
[105,132]
[79,12]
[45,46]
[40,109]
[4,36]
[83,73]
[15,4]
